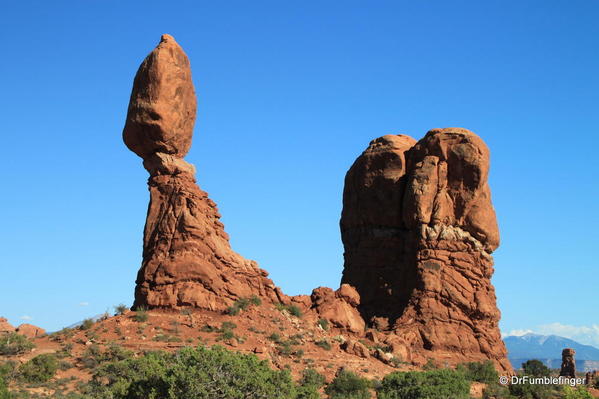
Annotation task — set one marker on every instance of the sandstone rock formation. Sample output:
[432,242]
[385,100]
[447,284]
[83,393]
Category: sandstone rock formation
[339,307]
[418,228]
[30,331]
[5,326]
[187,259]
[568,368]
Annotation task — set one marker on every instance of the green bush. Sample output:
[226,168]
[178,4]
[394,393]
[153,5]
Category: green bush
[4,394]
[242,304]
[294,310]
[120,309]
[39,369]
[430,365]
[141,315]
[496,391]
[480,372]
[86,324]
[192,373]
[576,393]
[309,384]
[535,391]
[535,368]
[437,384]
[14,344]
[324,324]
[291,309]
[275,337]
[324,344]
[94,355]
[348,385]
[6,371]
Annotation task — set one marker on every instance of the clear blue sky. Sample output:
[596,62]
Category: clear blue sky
[290,93]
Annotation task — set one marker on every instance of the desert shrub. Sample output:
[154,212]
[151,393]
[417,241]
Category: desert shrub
[15,344]
[309,384]
[141,314]
[496,391]
[534,391]
[166,338]
[228,325]
[64,365]
[430,365]
[4,394]
[254,300]
[7,370]
[479,371]
[242,304]
[226,331]
[94,355]
[383,348]
[312,377]
[86,324]
[324,344]
[437,384]
[535,368]
[208,328]
[39,369]
[192,373]
[291,309]
[115,352]
[348,385]
[324,324]
[120,309]
[288,347]
[576,393]
[275,337]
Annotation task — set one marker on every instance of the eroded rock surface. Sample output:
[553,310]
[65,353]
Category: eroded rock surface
[30,331]
[568,368]
[418,228]
[187,259]
[5,326]
[339,307]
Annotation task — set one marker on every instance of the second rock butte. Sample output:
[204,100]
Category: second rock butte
[418,228]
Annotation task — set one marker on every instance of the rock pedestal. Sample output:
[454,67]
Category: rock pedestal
[187,259]
[568,368]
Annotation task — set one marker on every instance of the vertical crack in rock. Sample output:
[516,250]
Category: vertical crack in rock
[418,229]
[187,259]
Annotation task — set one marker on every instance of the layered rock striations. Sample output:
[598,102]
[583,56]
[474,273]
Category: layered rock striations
[187,259]
[418,228]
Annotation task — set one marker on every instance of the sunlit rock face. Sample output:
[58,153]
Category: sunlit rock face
[418,228]
[187,259]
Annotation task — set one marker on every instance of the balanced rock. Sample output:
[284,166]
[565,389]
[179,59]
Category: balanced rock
[162,109]
[418,228]
[568,368]
[187,259]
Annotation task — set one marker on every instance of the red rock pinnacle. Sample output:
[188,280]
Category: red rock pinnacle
[418,228]
[187,259]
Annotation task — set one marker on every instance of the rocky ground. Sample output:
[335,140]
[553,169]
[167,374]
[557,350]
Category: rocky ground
[274,334]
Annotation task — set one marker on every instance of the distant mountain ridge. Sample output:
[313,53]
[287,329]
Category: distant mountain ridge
[548,349]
